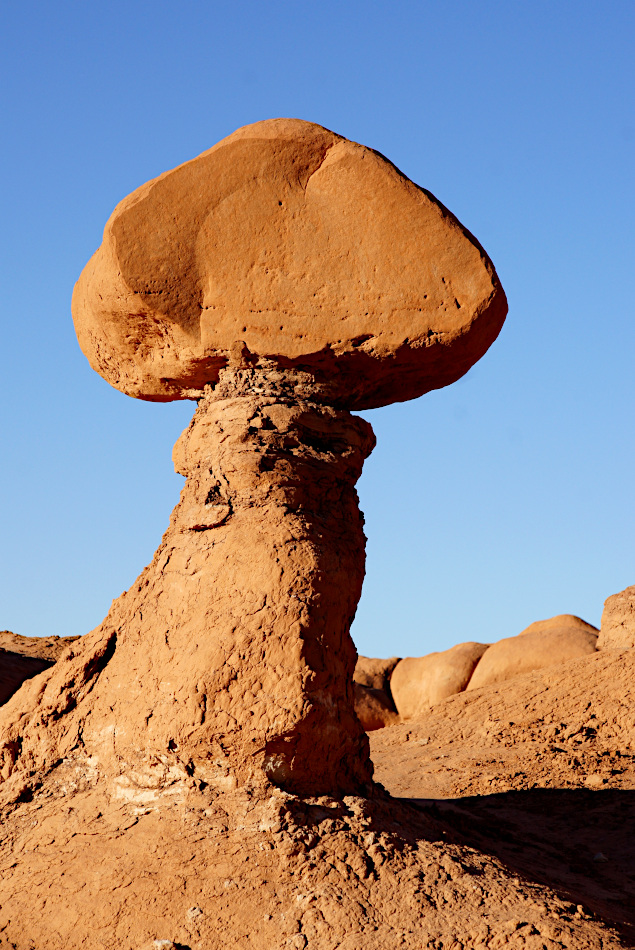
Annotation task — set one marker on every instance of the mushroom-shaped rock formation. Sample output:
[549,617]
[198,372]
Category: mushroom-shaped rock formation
[282,278]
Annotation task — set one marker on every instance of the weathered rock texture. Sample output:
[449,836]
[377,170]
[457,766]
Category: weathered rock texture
[43,648]
[15,669]
[544,643]
[540,771]
[420,682]
[171,759]
[617,628]
[314,251]
[230,658]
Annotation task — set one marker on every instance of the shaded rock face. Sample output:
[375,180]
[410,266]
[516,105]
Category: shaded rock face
[617,629]
[375,673]
[230,658]
[313,251]
[374,708]
[15,669]
[44,648]
[374,704]
[22,658]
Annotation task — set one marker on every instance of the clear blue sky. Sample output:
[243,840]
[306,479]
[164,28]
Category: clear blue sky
[504,499]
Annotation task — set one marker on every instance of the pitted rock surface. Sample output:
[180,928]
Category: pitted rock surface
[230,658]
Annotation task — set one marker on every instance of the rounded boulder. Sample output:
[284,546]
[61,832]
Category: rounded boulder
[292,244]
[544,643]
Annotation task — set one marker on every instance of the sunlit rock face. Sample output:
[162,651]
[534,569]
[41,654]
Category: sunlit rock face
[311,250]
[617,629]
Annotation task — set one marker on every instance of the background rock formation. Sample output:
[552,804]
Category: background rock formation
[545,643]
[420,682]
[22,658]
[618,621]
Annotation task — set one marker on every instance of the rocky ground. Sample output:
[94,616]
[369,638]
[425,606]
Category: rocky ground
[510,824]
[539,772]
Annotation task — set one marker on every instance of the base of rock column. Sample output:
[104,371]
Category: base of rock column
[202,870]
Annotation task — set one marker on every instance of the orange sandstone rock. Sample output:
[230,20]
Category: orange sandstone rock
[560,622]
[417,683]
[373,672]
[283,277]
[311,250]
[230,659]
[374,708]
[44,648]
[544,643]
[617,629]
[191,772]
[22,658]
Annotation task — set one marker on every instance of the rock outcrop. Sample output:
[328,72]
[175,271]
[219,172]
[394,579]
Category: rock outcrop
[417,683]
[617,629]
[22,658]
[48,649]
[283,278]
[194,767]
[544,643]
[374,708]
[374,705]
[230,658]
[374,672]
[539,770]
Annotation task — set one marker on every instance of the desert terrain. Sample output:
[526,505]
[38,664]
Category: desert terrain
[213,765]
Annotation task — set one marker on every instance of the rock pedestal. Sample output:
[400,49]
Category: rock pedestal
[230,659]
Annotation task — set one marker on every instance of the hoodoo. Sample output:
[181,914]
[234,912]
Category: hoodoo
[282,278]
[192,774]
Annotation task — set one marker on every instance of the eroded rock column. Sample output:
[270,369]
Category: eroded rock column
[270,535]
[230,659]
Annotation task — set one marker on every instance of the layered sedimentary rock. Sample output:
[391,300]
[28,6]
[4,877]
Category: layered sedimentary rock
[617,629]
